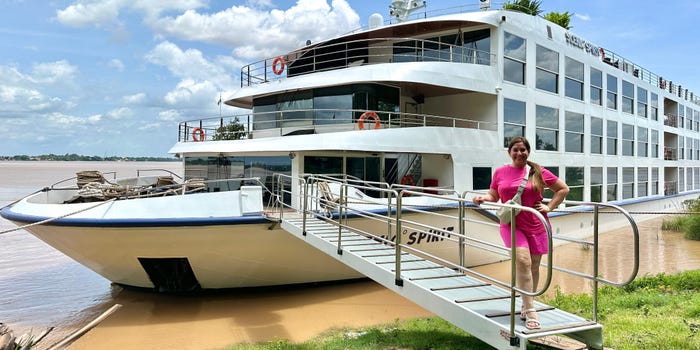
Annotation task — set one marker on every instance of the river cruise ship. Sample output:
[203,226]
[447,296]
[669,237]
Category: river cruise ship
[423,101]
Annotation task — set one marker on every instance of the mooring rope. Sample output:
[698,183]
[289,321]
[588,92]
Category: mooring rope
[56,218]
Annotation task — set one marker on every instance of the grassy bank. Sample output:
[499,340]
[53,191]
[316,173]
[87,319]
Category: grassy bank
[653,312]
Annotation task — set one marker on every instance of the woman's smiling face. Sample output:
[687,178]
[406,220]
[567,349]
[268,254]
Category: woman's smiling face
[519,153]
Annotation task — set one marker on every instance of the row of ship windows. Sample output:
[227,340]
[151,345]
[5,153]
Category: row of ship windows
[644,104]
[548,131]
[644,183]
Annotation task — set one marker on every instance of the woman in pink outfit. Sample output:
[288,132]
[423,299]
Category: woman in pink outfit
[530,235]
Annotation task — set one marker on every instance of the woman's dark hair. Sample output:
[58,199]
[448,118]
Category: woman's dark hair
[535,169]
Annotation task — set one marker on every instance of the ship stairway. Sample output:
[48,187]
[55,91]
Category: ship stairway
[472,301]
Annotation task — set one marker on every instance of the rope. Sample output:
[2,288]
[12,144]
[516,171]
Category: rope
[56,218]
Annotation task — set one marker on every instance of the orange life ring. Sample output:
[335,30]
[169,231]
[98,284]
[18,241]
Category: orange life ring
[365,115]
[278,65]
[198,134]
[408,180]
[602,53]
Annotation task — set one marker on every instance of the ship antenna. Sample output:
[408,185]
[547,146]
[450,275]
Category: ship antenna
[401,9]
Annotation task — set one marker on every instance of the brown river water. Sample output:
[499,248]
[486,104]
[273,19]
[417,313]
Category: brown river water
[41,288]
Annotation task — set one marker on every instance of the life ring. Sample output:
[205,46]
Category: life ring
[278,65]
[365,115]
[408,180]
[602,53]
[198,134]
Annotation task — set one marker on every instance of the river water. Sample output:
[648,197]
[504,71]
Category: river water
[41,288]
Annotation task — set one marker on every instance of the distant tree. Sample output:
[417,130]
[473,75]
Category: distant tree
[531,7]
[562,19]
[233,131]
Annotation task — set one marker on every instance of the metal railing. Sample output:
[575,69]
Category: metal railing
[280,123]
[394,212]
[339,55]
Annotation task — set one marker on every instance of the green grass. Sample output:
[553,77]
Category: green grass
[653,312]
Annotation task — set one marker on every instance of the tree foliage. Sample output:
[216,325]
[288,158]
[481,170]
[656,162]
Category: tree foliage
[562,19]
[233,131]
[532,7]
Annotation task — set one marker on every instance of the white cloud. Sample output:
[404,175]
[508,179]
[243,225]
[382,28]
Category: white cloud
[120,113]
[117,64]
[134,99]
[170,115]
[94,118]
[189,93]
[582,17]
[84,13]
[14,99]
[53,72]
[256,33]
[106,13]
[189,64]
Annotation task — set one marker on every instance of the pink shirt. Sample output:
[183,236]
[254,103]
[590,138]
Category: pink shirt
[506,181]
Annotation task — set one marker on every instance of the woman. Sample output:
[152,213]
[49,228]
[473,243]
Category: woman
[531,240]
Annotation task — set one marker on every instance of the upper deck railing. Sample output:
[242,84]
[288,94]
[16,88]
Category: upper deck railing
[352,53]
[267,70]
[303,121]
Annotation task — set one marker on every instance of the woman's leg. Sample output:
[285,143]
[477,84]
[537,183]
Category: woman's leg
[527,277]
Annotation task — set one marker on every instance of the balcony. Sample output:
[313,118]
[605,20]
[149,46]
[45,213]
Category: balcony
[347,54]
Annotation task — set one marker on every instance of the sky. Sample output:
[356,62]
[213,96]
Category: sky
[115,77]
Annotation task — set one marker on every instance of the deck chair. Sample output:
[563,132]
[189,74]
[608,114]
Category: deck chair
[327,199]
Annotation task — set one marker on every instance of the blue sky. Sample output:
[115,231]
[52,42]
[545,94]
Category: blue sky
[115,77]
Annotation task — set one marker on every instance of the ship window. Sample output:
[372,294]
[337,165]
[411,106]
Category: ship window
[654,106]
[547,73]
[574,178]
[681,148]
[228,169]
[515,58]
[642,142]
[476,46]
[481,178]
[627,182]
[689,118]
[406,51]
[612,92]
[596,135]
[573,123]
[681,116]
[612,184]
[627,140]
[627,97]
[574,79]
[642,182]
[612,138]
[654,181]
[642,102]
[596,184]
[596,87]
[513,120]
[554,170]
[689,178]
[654,143]
[547,134]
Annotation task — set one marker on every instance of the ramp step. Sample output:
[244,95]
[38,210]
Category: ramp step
[473,300]
[463,286]
[507,313]
[436,277]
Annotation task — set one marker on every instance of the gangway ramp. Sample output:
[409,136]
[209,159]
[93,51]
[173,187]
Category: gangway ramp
[481,309]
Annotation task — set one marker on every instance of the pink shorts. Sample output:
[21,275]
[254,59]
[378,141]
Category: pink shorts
[538,243]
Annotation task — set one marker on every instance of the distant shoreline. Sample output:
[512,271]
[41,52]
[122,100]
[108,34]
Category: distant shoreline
[80,158]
